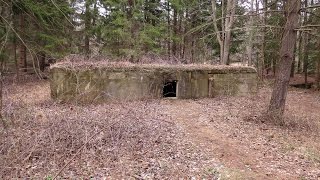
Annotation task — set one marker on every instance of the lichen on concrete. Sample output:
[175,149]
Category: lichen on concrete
[106,82]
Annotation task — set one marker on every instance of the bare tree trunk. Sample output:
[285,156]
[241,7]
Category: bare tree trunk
[219,35]
[224,36]
[175,31]
[292,68]
[251,33]
[41,56]
[318,75]
[306,48]
[23,49]
[169,32]
[298,52]
[15,57]
[1,103]
[263,48]
[192,51]
[318,69]
[231,9]
[305,59]
[295,56]
[279,94]
[87,22]
[179,33]
[185,38]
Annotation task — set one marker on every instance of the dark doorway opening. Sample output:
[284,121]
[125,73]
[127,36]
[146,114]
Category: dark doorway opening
[170,89]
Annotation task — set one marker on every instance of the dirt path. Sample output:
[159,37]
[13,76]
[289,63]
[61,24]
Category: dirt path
[241,161]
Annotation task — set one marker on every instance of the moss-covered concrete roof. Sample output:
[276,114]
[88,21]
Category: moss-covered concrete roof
[126,66]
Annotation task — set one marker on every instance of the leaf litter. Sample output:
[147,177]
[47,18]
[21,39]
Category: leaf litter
[220,138]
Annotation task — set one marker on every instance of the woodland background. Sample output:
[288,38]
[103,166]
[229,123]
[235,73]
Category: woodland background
[224,137]
[194,31]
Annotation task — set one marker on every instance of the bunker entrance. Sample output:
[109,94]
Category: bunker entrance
[170,89]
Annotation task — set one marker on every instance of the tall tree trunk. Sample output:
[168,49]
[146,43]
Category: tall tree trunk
[231,9]
[1,103]
[87,22]
[185,37]
[251,33]
[318,75]
[263,47]
[133,28]
[219,34]
[23,49]
[279,94]
[305,58]
[295,56]
[224,36]
[318,68]
[169,32]
[175,31]
[292,68]
[192,51]
[41,56]
[15,56]
[301,55]
[298,52]
[179,33]
[306,48]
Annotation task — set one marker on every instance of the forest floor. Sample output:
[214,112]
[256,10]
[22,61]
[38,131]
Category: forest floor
[219,138]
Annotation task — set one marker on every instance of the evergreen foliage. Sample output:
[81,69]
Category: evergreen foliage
[173,30]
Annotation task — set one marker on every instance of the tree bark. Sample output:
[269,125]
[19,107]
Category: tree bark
[185,37]
[15,56]
[41,56]
[318,75]
[175,31]
[306,48]
[23,49]
[231,9]
[305,59]
[263,47]
[224,36]
[251,33]
[219,35]
[279,94]
[318,68]
[299,53]
[87,22]
[169,32]
[1,103]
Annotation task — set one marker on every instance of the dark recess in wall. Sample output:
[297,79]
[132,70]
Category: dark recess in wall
[170,89]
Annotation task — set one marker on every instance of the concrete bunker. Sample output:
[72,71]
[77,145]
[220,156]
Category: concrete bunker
[101,82]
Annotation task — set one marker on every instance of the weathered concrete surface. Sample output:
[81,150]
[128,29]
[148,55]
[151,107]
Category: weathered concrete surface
[135,82]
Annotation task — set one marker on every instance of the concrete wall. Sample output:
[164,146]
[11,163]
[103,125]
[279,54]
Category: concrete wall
[121,83]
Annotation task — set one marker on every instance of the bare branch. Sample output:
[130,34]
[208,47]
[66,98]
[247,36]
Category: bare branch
[310,25]
[215,20]
[22,41]
[310,7]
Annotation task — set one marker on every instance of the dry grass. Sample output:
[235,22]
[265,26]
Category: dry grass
[133,139]
[79,63]
[301,113]
[144,139]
